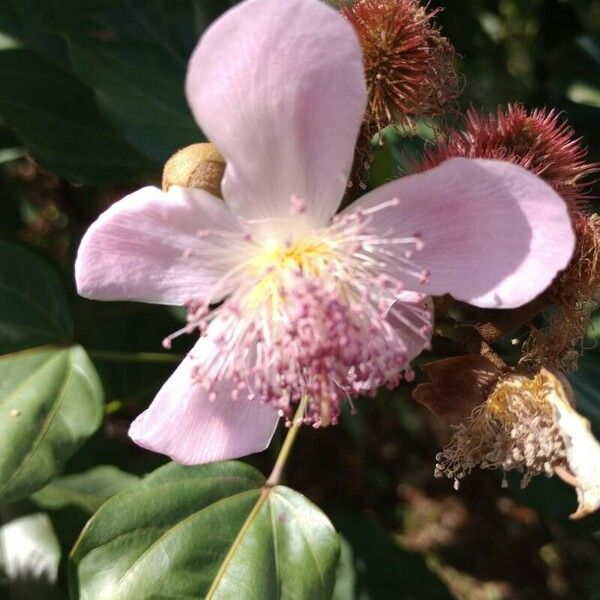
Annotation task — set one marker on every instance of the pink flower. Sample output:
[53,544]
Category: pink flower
[331,307]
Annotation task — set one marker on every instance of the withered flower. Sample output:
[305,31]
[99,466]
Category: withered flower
[537,140]
[408,63]
[576,295]
[528,424]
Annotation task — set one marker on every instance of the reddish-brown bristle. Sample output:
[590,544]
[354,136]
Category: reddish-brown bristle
[408,63]
[537,140]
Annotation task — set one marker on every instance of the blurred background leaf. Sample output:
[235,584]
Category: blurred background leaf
[29,557]
[376,568]
[33,303]
[88,490]
[58,120]
[133,55]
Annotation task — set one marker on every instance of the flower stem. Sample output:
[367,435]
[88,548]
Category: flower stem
[286,448]
[134,357]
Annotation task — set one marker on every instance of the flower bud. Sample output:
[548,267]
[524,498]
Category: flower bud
[199,166]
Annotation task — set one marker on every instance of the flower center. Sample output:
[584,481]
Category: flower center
[314,317]
[275,263]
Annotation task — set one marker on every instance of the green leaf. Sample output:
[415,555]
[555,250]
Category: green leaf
[134,55]
[345,580]
[140,89]
[211,531]
[584,93]
[590,44]
[50,403]
[87,491]
[58,119]
[33,304]
[21,20]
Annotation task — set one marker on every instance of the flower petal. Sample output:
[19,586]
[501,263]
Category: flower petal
[147,247]
[279,87]
[412,315]
[185,425]
[494,234]
[581,447]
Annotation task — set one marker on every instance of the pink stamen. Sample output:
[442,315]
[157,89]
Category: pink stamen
[327,332]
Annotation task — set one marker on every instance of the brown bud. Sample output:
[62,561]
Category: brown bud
[577,295]
[198,166]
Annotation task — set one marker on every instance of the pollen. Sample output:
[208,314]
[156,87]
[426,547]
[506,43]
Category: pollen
[309,256]
[275,263]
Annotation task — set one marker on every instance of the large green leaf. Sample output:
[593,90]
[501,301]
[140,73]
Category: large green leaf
[211,531]
[50,403]
[22,19]
[140,89]
[33,304]
[133,55]
[59,121]
[87,491]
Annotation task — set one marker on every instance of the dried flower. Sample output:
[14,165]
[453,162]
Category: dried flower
[292,302]
[576,294]
[408,63]
[537,140]
[528,425]
[581,280]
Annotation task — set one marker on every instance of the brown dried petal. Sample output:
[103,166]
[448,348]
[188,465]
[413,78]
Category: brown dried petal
[459,385]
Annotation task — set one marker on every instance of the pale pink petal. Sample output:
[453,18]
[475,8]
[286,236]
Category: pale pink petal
[185,425]
[147,247]
[494,234]
[412,316]
[278,86]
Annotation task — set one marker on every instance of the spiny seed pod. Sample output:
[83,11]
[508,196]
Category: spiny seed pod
[408,63]
[199,166]
[537,140]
